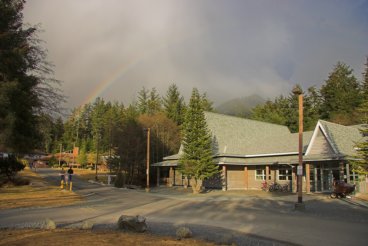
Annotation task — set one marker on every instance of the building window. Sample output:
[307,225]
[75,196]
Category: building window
[285,174]
[260,173]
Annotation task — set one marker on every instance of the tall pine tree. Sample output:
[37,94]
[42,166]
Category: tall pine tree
[365,82]
[26,86]
[174,104]
[340,95]
[196,160]
[360,160]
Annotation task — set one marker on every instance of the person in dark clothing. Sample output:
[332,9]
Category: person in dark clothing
[70,174]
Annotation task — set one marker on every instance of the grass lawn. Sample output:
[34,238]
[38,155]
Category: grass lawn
[39,193]
[61,237]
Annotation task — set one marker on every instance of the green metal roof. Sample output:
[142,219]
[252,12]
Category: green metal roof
[240,141]
[234,135]
[342,138]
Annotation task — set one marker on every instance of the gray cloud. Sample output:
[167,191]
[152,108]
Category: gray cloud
[225,48]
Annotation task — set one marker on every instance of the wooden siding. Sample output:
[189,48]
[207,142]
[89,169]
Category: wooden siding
[320,145]
[253,183]
[235,177]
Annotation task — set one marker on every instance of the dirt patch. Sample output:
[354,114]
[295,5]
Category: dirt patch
[61,237]
[38,194]
[362,196]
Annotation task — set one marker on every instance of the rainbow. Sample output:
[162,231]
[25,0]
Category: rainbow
[108,81]
[123,69]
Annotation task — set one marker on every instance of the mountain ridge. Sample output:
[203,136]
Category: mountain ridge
[240,106]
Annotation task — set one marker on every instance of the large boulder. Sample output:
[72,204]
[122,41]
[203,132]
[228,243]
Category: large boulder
[132,223]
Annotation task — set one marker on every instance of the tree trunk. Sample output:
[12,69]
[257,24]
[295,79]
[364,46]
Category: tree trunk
[196,185]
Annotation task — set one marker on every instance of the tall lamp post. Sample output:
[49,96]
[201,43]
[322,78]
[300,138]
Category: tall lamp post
[148,158]
[300,205]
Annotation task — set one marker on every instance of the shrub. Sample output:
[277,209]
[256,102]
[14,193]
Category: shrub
[53,162]
[18,181]
[120,180]
[9,167]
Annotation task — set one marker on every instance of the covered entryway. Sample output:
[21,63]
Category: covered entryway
[322,176]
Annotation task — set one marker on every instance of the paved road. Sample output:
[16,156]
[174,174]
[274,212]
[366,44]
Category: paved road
[325,221]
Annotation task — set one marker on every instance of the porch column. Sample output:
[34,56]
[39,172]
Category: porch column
[322,180]
[315,179]
[267,172]
[347,173]
[246,177]
[341,168]
[158,177]
[171,177]
[307,177]
[224,178]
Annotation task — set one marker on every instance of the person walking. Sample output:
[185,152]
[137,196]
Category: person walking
[70,175]
[62,178]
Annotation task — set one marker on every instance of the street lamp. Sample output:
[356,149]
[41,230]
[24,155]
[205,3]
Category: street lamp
[300,205]
[148,158]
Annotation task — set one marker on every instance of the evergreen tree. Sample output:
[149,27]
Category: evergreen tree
[196,160]
[312,108]
[285,110]
[82,157]
[365,81]
[360,160]
[154,102]
[271,112]
[340,95]
[143,100]
[174,105]
[26,86]
[292,110]
[207,103]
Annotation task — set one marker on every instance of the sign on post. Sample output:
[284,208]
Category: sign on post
[299,170]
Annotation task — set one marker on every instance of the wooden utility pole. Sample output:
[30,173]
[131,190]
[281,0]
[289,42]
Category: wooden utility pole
[148,158]
[300,205]
[300,165]
[61,148]
[98,136]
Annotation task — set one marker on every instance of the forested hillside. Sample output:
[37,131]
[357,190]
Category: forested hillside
[241,107]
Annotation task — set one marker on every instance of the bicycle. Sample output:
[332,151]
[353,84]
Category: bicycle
[264,186]
[278,187]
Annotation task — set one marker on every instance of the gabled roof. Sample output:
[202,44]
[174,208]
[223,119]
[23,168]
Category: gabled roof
[239,136]
[341,139]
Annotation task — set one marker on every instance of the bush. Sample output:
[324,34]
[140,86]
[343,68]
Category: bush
[10,166]
[53,162]
[120,180]
[19,181]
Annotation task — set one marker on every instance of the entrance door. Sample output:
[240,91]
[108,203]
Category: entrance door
[327,179]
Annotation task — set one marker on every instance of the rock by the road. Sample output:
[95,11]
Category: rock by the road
[132,223]
[183,232]
[47,224]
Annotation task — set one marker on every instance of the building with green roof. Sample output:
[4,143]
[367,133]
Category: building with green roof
[250,152]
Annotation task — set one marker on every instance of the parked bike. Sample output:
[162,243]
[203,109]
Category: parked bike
[278,187]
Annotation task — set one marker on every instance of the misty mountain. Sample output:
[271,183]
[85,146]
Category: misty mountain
[240,106]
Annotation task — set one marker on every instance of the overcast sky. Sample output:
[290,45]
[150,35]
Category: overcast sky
[228,49]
